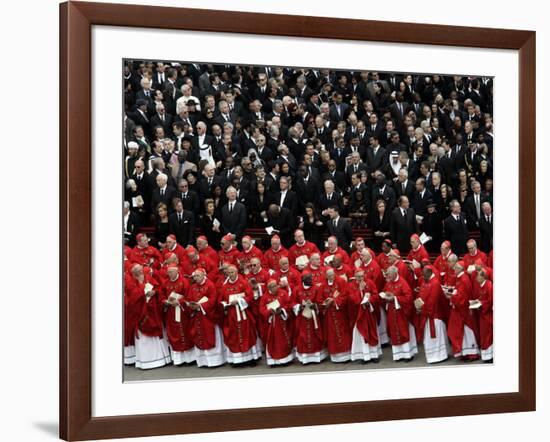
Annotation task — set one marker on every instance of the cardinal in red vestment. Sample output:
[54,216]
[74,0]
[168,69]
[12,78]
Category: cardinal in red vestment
[174,295]
[398,297]
[205,332]
[206,251]
[274,254]
[144,254]
[462,328]
[239,326]
[431,325]
[308,334]
[364,310]
[333,295]
[301,247]
[484,301]
[275,310]
[143,309]
[228,253]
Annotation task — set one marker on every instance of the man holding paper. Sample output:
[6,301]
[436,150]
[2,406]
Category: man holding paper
[364,310]
[473,255]
[308,334]
[205,333]
[428,306]
[257,277]
[301,247]
[144,254]
[275,253]
[239,325]
[399,309]
[275,307]
[143,310]
[174,294]
[336,327]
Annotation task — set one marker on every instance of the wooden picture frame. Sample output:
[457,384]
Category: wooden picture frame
[76,20]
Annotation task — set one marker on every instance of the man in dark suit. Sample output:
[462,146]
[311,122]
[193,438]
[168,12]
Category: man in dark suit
[340,228]
[307,187]
[163,120]
[403,186]
[182,224]
[336,176]
[403,225]
[376,156]
[131,225]
[233,215]
[455,229]
[421,197]
[328,198]
[473,206]
[209,181]
[163,193]
[285,197]
[382,191]
[189,198]
[141,118]
[486,228]
[283,222]
[338,110]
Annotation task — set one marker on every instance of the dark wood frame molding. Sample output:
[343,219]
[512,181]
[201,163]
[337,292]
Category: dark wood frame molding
[76,20]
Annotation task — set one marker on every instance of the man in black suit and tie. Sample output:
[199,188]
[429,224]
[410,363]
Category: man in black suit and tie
[403,186]
[340,228]
[182,224]
[209,181]
[189,198]
[285,197]
[338,154]
[233,216]
[473,206]
[486,227]
[307,187]
[338,110]
[163,120]
[382,191]
[421,197]
[456,229]
[403,225]
[376,156]
[328,199]
[163,193]
[141,118]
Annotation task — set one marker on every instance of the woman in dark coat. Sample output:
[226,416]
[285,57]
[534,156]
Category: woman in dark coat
[209,227]
[380,225]
[258,204]
[313,227]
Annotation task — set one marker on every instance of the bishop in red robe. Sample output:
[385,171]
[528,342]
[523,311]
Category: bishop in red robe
[484,299]
[308,333]
[239,326]
[398,297]
[336,326]
[301,247]
[275,310]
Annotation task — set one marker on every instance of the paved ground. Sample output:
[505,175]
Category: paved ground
[186,372]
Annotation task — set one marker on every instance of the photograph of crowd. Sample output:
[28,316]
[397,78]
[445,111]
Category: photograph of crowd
[294,217]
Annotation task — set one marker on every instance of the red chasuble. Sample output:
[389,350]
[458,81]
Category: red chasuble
[398,318]
[419,254]
[364,316]
[246,256]
[432,295]
[293,277]
[211,254]
[178,324]
[335,317]
[374,273]
[485,295]
[203,321]
[239,329]
[279,340]
[261,278]
[317,275]
[148,256]
[308,249]
[308,333]
[179,251]
[231,256]
[470,260]
[461,314]
[338,250]
[272,257]
[442,266]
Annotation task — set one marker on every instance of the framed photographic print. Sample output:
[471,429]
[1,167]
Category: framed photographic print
[274,220]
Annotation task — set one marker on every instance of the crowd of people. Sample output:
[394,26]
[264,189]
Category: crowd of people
[305,154]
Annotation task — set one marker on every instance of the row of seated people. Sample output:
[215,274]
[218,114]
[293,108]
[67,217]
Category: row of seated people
[197,306]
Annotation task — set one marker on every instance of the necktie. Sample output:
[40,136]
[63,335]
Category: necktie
[230,208]
[334,223]
[209,182]
[403,186]
[161,192]
[404,213]
[184,195]
[179,217]
[477,205]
